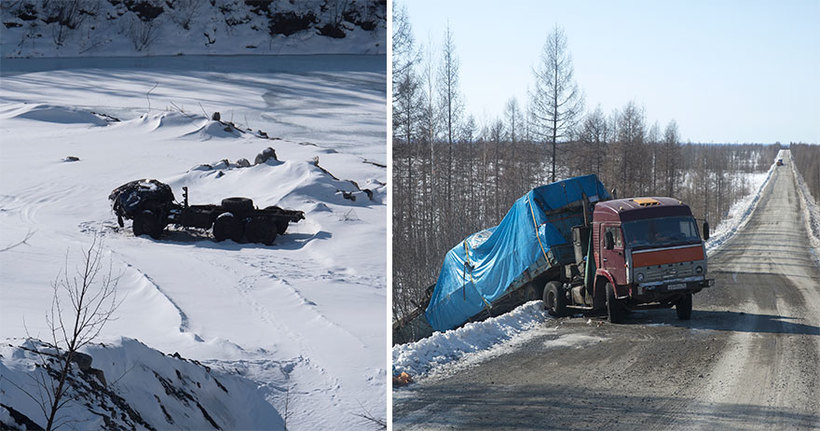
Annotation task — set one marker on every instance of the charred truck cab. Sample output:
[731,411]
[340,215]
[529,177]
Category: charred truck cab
[640,252]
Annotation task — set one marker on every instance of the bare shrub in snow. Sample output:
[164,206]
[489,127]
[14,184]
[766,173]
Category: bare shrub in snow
[82,303]
[68,15]
[182,12]
[18,243]
[142,33]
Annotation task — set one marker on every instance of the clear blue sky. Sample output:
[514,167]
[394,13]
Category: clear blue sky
[726,71]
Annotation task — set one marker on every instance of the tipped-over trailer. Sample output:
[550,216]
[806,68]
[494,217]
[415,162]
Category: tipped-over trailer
[151,206]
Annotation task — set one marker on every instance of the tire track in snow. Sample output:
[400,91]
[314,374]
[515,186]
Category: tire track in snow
[295,305]
[28,202]
[291,313]
[282,283]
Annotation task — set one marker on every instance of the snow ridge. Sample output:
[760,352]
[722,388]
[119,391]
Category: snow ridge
[135,387]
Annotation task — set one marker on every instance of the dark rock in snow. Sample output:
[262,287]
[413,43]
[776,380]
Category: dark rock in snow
[223,164]
[71,159]
[331,30]
[289,23]
[82,360]
[216,116]
[243,163]
[265,155]
[145,10]
[21,421]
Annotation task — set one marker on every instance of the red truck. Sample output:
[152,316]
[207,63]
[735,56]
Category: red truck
[634,253]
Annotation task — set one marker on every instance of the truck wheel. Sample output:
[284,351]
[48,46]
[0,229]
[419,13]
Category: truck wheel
[554,299]
[615,308]
[226,226]
[684,307]
[237,206]
[148,223]
[261,230]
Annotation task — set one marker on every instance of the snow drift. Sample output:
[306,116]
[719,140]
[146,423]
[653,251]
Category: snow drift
[133,386]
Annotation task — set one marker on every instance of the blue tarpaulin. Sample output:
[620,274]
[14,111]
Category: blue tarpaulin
[534,235]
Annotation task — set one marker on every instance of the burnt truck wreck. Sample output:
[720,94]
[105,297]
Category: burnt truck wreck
[151,206]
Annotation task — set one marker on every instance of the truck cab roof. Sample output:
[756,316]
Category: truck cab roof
[617,210]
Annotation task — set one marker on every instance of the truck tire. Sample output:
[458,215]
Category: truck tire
[615,308]
[555,299]
[261,230]
[237,206]
[146,222]
[226,226]
[684,307]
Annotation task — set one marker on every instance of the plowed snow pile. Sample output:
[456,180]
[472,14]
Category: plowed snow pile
[299,323]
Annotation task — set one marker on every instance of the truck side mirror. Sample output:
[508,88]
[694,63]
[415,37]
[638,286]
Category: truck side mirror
[706,231]
[609,241]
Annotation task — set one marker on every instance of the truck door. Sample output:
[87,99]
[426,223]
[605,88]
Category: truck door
[613,260]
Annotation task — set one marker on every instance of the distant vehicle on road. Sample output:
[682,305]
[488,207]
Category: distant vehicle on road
[779,162]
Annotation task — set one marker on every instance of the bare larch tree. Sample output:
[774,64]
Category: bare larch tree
[556,100]
[451,104]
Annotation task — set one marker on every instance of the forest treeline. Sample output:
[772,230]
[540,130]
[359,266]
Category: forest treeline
[807,160]
[453,177]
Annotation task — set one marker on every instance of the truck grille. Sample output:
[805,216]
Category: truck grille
[669,271]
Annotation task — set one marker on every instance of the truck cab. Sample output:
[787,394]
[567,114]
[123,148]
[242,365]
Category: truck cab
[635,253]
[648,250]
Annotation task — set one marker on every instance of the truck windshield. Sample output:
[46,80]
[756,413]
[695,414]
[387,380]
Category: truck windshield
[660,231]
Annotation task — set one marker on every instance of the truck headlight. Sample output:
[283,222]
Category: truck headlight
[640,276]
[699,270]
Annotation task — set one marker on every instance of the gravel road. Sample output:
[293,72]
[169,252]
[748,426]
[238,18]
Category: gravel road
[748,359]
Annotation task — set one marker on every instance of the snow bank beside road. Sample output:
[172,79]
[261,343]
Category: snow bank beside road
[441,348]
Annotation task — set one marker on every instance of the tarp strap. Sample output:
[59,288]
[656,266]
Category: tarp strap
[469,264]
[535,224]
